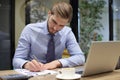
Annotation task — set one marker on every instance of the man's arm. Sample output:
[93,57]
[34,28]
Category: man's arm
[22,50]
[76,55]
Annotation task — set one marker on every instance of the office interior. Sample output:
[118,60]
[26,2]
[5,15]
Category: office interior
[15,14]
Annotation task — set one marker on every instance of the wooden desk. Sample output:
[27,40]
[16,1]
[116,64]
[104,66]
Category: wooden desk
[7,72]
[115,75]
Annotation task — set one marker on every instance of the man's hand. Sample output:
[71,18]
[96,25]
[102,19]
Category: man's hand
[37,66]
[33,66]
[51,65]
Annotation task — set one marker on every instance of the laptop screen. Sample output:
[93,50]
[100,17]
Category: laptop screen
[102,57]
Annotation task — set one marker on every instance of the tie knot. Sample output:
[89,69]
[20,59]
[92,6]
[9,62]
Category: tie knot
[51,35]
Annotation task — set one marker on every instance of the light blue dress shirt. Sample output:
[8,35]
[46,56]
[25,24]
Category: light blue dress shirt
[34,39]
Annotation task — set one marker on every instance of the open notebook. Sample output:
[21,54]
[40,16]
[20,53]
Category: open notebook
[102,57]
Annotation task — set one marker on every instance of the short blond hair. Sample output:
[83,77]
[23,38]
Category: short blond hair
[62,9]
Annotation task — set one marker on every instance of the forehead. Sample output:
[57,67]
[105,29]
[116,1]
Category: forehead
[59,20]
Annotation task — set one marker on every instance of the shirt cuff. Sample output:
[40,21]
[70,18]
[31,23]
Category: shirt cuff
[23,64]
[64,62]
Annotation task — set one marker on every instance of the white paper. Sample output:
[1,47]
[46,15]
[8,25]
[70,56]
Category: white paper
[29,73]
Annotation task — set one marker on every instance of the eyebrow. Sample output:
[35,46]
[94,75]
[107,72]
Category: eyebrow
[56,22]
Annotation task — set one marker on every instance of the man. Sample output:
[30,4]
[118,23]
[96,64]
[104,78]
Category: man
[35,37]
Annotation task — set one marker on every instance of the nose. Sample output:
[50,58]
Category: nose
[56,28]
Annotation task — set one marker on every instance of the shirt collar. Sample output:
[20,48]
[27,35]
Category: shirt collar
[46,29]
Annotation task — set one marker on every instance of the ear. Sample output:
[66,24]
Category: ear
[49,12]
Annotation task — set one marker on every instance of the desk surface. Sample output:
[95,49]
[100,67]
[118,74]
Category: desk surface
[115,75]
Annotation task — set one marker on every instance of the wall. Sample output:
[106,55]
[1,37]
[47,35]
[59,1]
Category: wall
[19,18]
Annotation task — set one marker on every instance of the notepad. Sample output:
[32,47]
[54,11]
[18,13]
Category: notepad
[29,73]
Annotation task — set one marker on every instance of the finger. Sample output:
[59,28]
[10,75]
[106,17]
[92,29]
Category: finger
[37,65]
[41,64]
[32,67]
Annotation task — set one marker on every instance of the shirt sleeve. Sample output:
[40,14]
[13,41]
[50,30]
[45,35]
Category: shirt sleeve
[76,55]
[23,48]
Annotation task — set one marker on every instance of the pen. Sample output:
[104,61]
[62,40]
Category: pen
[38,62]
[34,57]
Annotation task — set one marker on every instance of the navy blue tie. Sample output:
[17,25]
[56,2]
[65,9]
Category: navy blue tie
[51,49]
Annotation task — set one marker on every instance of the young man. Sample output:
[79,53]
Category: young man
[35,37]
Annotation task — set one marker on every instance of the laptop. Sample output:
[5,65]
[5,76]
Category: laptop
[102,57]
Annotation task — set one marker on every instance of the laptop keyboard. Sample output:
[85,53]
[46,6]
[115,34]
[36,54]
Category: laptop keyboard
[79,70]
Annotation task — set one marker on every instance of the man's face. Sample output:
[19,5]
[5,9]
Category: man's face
[56,23]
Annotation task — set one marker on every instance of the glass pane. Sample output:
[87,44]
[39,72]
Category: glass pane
[93,22]
[37,10]
[116,19]
[5,34]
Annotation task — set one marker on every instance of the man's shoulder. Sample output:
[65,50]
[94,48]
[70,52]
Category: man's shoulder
[34,27]
[66,29]
[38,24]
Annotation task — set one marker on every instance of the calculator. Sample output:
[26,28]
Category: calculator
[15,77]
